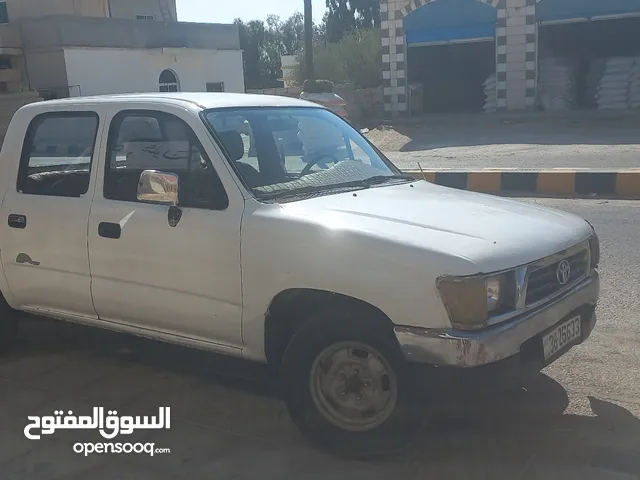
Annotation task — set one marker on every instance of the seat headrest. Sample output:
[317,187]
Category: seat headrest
[232,144]
[134,128]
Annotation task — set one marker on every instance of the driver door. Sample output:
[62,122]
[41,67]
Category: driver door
[177,279]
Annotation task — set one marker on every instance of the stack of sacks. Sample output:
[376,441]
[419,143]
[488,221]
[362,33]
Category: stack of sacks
[634,85]
[557,84]
[613,91]
[490,96]
[597,67]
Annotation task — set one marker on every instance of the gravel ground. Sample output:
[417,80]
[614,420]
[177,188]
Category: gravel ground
[584,141]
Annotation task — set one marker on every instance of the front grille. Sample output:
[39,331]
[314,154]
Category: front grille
[543,281]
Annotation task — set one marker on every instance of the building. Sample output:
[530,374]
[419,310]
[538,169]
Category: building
[20,9]
[143,10]
[452,46]
[92,47]
[72,56]
[289,65]
[159,10]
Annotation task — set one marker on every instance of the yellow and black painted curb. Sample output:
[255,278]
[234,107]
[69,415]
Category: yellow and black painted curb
[554,182]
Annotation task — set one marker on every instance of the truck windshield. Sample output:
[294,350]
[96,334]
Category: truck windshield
[289,152]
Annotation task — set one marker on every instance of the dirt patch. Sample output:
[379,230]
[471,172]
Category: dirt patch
[576,128]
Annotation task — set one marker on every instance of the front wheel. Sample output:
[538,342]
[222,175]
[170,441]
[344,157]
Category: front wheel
[347,387]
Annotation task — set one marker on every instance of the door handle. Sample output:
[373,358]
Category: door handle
[109,230]
[17,221]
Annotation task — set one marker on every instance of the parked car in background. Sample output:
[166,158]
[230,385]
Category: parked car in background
[323,93]
[332,101]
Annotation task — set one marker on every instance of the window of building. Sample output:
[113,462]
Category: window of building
[141,141]
[169,81]
[145,16]
[215,86]
[5,62]
[4,14]
[57,154]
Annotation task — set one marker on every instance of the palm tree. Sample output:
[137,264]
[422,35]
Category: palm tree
[308,39]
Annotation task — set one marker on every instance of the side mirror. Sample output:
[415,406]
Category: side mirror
[158,187]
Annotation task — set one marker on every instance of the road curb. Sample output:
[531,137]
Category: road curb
[557,182]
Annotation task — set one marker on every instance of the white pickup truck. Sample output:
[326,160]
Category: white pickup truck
[363,287]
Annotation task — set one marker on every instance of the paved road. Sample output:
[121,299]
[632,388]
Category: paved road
[581,420]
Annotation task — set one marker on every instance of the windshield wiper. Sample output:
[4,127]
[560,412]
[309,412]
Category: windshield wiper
[313,189]
[356,184]
[378,179]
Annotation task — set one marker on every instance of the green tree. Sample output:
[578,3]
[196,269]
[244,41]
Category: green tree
[345,16]
[273,49]
[264,43]
[320,32]
[356,59]
[252,37]
[292,34]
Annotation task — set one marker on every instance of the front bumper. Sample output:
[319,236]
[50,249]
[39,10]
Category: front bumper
[476,348]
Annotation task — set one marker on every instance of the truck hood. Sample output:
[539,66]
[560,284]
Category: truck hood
[494,233]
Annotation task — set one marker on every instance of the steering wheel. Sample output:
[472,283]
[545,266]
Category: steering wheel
[316,160]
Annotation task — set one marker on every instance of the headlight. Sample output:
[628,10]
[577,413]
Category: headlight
[494,287]
[470,300]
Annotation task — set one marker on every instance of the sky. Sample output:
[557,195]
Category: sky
[225,11]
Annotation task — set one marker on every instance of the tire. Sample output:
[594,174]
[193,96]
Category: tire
[353,336]
[8,325]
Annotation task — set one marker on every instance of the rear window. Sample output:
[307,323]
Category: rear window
[57,154]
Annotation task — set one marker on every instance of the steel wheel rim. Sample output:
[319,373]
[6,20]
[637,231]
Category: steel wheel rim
[353,386]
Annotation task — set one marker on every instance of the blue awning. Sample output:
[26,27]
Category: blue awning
[450,20]
[558,10]
[448,34]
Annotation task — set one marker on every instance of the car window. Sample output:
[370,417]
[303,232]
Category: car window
[358,152]
[57,154]
[297,149]
[141,141]
[240,125]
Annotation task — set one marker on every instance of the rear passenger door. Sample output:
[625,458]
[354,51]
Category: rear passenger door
[179,280]
[45,213]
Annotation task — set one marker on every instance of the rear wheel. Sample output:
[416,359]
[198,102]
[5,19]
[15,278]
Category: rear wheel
[347,386]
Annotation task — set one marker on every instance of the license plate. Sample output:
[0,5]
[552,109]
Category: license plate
[561,336]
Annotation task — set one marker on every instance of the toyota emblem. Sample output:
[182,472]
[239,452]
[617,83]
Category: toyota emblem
[564,272]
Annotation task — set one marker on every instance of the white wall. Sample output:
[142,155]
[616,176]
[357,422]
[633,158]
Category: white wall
[101,71]
[289,64]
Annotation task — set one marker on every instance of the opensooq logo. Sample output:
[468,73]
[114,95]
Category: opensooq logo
[110,426]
